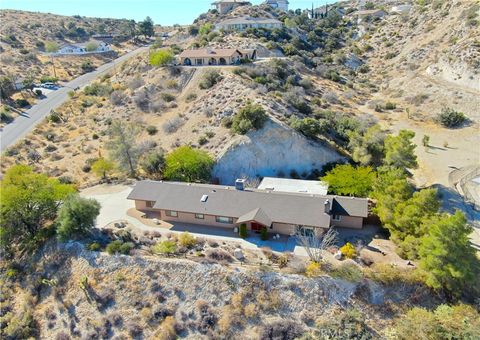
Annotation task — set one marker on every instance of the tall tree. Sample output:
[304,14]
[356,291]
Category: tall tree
[7,87]
[351,181]
[123,146]
[400,150]
[76,216]
[153,164]
[102,167]
[367,147]
[146,27]
[29,203]
[447,255]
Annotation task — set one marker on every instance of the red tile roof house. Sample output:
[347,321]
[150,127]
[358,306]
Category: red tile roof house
[229,207]
[219,56]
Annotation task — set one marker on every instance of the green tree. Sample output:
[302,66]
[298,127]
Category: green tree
[451,118]
[390,189]
[7,87]
[251,116]
[153,164]
[446,254]
[29,203]
[351,181]
[51,47]
[102,167]
[367,148]
[91,46]
[206,28]
[188,165]
[400,150]
[310,127]
[161,57]
[76,216]
[123,146]
[145,27]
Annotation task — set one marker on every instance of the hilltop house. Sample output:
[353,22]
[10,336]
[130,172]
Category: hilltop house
[225,6]
[229,207]
[210,56]
[93,46]
[245,22]
[278,4]
[370,13]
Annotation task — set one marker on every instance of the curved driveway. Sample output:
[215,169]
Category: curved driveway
[26,122]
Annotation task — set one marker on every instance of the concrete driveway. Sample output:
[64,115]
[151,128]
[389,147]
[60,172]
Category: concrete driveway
[113,199]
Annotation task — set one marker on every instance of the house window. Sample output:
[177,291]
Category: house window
[305,231]
[337,217]
[223,219]
[171,213]
[199,61]
[150,204]
[199,216]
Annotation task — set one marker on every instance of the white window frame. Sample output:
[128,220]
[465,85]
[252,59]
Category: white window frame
[197,216]
[171,213]
[337,218]
[224,219]
[149,204]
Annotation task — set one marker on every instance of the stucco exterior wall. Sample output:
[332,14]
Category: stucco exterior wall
[185,217]
[348,222]
[142,206]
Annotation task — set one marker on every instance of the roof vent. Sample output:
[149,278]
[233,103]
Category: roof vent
[240,184]
[204,198]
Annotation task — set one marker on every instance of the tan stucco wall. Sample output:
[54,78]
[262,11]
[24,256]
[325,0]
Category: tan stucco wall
[185,217]
[282,228]
[348,222]
[142,206]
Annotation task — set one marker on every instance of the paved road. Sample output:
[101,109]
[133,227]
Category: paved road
[26,122]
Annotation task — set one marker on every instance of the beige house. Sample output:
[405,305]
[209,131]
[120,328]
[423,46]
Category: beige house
[230,207]
[225,6]
[245,22]
[210,56]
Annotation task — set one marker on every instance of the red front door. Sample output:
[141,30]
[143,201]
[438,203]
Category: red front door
[256,226]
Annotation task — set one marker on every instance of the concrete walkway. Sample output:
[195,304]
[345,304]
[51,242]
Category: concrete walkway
[113,199]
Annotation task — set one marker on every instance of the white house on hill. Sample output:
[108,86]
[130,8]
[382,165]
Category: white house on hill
[278,4]
[92,46]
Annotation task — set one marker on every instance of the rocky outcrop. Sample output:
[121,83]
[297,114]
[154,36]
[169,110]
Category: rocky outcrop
[272,151]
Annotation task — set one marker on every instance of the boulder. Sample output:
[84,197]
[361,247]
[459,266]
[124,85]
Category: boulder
[338,255]
[238,254]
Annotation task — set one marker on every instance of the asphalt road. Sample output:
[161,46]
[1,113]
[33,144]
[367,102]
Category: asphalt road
[26,122]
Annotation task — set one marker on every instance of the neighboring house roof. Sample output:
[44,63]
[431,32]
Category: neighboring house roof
[230,2]
[293,185]
[84,44]
[227,201]
[249,20]
[257,215]
[209,52]
[350,206]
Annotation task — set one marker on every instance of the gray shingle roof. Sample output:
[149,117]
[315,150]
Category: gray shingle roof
[257,215]
[227,201]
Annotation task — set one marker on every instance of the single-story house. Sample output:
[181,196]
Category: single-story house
[229,207]
[401,9]
[278,4]
[210,56]
[245,22]
[92,46]
[225,6]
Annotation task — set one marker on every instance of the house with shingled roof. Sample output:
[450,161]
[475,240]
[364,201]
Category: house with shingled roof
[218,56]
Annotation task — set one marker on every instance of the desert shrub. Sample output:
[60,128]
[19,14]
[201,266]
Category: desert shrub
[167,330]
[141,100]
[313,269]
[227,122]
[6,117]
[390,106]
[191,97]
[21,102]
[202,140]
[364,68]
[168,97]
[347,271]
[310,127]
[348,325]
[98,89]
[185,239]
[389,274]
[152,130]
[94,246]
[48,79]
[172,125]
[117,97]
[87,66]
[348,250]
[153,164]
[243,230]
[134,329]
[165,247]
[119,247]
[251,116]
[135,83]
[282,329]
[210,78]
[451,118]
[218,255]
